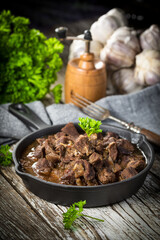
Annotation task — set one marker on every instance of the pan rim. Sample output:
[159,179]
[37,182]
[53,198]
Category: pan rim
[142,138]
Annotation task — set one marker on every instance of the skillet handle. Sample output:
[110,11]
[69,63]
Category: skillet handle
[27,116]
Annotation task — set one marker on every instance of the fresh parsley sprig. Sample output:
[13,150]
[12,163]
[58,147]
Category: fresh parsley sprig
[72,214]
[89,125]
[5,155]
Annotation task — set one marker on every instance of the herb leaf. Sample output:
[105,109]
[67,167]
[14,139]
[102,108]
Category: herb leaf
[5,155]
[57,92]
[72,214]
[89,125]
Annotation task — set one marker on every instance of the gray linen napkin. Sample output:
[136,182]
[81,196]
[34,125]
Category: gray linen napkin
[12,129]
[142,108]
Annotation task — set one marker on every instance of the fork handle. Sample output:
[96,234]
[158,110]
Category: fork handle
[151,136]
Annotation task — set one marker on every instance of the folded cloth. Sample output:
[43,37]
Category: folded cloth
[142,108]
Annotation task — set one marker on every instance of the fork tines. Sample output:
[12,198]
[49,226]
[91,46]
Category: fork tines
[87,106]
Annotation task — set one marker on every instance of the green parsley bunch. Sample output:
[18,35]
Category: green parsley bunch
[29,61]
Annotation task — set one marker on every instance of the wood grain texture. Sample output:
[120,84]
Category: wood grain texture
[136,218]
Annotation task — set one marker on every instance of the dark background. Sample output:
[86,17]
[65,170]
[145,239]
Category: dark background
[47,14]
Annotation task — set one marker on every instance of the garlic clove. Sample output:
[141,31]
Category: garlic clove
[123,81]
[147,70]
[150,38]
[121,48]
[102,29]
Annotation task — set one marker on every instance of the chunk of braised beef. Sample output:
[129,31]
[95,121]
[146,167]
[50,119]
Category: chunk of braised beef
[113,152]
[89,173]
[109,135]
[60,149]
[40,140]
[39,151]
[68,178]
[48,147]
[78,169]
[42,167]
[51,140]
[80,182]
[107,142]
[128,173]
[70,130]
[83,145]
[124,146]
[94,138]
[96,160]
[59,134]
[106,176]
[53,158]
[62,140]
[125,159]
[92,182]
[138,165]
[116,168]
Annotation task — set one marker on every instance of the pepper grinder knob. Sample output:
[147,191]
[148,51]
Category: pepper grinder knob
[61,32]
[87,35]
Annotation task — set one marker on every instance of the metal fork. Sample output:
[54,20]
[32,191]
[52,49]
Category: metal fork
[97,112]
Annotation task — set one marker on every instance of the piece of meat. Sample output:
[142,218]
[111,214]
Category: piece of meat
[106,176]
[42,167]
[96,160]
[80,182]
[125,159]
[40,140]
[48,147]
[61,150]
[109,135]
[83,145]
[51,140]
[124,146]
[138,165]
[116,168]
[78,169]
[127,173]
[53,159]
[89,173]
[113,152]
[110,140]
[93,139]
[68,178]
[59,134]
[70,130]
[63,140]
[39,151]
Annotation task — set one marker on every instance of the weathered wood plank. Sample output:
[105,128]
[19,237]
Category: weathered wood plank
[17,219]
[125,220]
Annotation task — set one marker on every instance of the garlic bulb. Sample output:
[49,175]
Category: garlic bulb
[147,70]
[150,39]
[77,48]
[102,29]
[121,48]
[124,82]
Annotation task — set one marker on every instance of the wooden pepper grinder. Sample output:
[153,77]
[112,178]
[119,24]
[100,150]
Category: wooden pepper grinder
[85,75]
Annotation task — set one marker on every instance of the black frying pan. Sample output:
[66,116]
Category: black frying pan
[66,194]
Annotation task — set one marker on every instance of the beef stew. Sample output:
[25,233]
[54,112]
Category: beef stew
[73,158]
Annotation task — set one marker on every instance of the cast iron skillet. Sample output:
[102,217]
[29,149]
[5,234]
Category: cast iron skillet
[66,194]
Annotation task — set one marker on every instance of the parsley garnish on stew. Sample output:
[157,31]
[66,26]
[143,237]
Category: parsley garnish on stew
[89,125]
